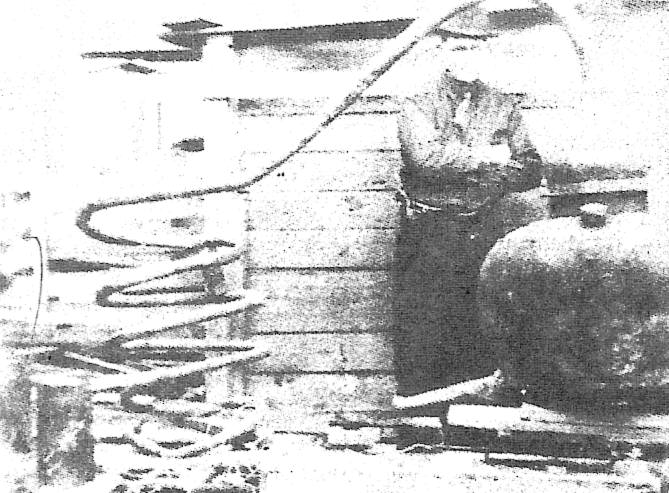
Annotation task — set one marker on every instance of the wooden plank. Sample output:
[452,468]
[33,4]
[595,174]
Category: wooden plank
[187,344]
[341,170]
[349,248]
[191,115]
[279,107]
[161,172]
[291,353]
[335,210]
[638,429]
[314,301]
[355,421]
[295,394]
[339,287]
[318,315]
[347,133]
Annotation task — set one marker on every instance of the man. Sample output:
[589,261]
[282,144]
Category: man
[462,138]
[464,147]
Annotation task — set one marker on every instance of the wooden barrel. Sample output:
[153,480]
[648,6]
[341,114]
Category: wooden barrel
[62,415]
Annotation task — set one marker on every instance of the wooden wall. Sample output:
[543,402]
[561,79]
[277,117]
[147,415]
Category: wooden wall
[321,235]
[322,231]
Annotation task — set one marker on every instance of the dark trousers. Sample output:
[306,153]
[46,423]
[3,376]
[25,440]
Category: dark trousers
[437,337]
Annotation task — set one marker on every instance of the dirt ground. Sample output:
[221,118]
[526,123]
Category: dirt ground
[299,465]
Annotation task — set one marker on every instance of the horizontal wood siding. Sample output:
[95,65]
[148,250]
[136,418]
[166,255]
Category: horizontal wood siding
[281,106]
[331,171]
[353,132]
[329,353]
[349,248]
[323,210]
[321,301]
[322,232]
[291,396]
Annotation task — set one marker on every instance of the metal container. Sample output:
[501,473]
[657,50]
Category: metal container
[578,309]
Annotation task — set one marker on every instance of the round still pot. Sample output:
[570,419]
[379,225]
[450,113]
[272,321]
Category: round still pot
[579,310]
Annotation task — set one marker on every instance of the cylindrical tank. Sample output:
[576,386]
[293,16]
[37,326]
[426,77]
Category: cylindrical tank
[578,309]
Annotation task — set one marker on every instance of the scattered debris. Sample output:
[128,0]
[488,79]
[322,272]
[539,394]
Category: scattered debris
[142,401]
[185,476]
[360,439]
[109,398]
[185,408]
[190,145]
[133,67]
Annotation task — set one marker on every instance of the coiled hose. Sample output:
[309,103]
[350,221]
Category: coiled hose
[204,255]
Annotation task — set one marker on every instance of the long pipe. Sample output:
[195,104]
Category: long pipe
[379,65]
[395,49]
[222,253]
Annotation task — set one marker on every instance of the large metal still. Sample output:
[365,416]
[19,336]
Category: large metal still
[576,306]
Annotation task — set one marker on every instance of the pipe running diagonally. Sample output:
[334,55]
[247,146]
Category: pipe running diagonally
[219,252]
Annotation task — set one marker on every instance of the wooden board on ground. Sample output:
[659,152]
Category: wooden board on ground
[629,428]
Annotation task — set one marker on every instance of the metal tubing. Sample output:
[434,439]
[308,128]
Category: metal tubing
[136,379]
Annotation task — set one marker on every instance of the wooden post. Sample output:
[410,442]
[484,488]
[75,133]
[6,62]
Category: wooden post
[219,122]
[14,400]
[62,413]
